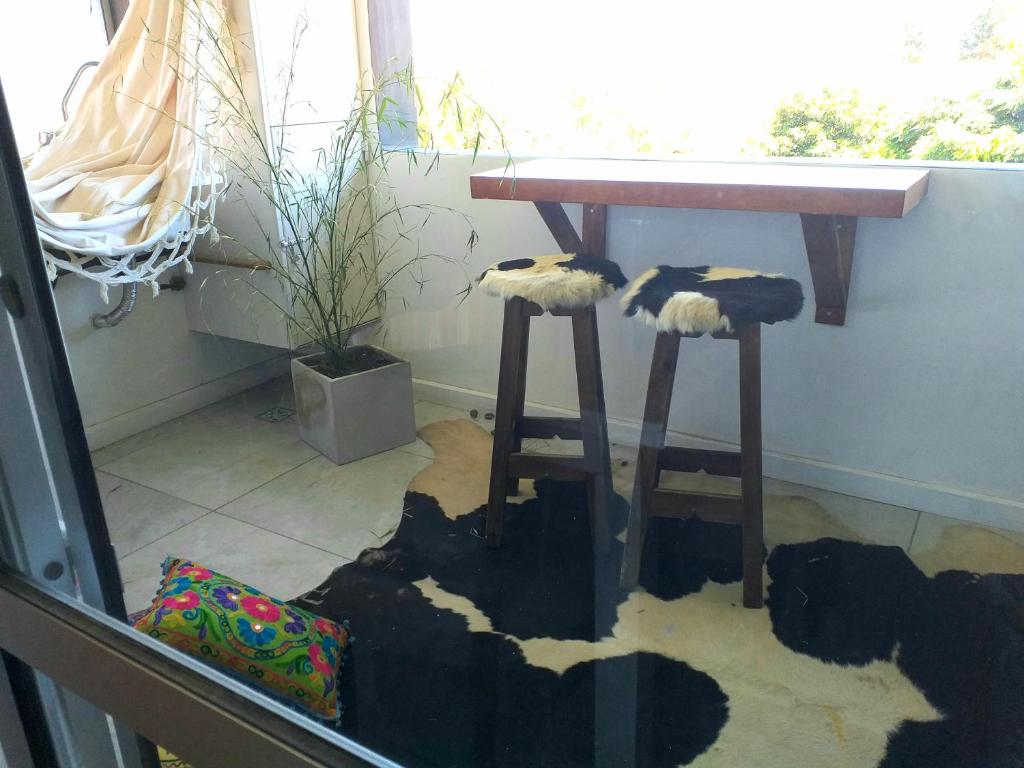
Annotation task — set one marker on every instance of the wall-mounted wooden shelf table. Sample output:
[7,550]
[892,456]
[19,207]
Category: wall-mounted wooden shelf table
[829,200]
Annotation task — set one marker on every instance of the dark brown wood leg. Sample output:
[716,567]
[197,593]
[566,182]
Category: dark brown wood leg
[560,227]
[595,229]
[512,343]
[750,460]
[652,440]
[830,242]
[594,423]
[520,398]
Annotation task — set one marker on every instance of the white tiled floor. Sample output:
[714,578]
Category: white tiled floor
[214,455]
[248,497]
[276,564]
[137,515]
[342,509]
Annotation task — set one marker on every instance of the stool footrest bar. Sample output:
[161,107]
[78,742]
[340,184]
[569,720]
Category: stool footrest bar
[711,508]
[546,427]
[531,465]
[722,463]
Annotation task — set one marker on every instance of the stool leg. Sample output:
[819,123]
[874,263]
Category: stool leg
[652,440]
[594,423]
[750,460]
[512,342]
[520,398]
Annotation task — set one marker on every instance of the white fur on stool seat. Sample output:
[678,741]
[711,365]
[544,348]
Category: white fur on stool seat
[696,300]
[564,281]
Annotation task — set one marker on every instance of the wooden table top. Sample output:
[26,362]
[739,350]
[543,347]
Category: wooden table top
[766,187]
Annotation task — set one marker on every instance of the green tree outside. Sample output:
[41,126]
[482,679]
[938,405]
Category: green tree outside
[988,126]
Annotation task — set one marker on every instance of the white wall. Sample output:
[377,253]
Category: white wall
[151,367]
[917,401]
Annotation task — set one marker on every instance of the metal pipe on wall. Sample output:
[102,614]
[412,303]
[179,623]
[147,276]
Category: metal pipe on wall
[129,294]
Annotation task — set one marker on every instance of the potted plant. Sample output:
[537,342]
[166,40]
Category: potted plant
[357,408]
[350,242]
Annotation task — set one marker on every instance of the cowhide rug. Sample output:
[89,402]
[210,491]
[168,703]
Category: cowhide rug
[531,655]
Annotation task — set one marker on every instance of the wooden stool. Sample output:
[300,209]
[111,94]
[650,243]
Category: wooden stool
[689,302]
[566,285]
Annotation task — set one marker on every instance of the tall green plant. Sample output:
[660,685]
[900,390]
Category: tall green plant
[349,240]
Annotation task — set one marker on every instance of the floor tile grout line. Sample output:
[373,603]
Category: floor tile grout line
[197,504]
[164,536]
[207,511]
[410,452]
[146,444]
[158,437]
[220,511]
[154,438]
[913,534]
[299,466]
[154,490]
[346,558]
[278,476]
[232,500]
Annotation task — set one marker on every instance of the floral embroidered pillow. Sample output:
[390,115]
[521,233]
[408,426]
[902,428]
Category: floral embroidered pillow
[278,647]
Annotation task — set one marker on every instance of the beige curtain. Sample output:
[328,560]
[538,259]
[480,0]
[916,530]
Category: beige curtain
[123,190]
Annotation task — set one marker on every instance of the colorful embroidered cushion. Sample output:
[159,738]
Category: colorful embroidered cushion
[280,648]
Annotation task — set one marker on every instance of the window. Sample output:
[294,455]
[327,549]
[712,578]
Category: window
[898,80]
[35,102]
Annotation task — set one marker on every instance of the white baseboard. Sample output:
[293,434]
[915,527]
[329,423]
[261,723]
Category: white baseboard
[135,421]
[888,489]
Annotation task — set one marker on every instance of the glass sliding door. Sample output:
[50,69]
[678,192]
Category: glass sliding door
[77,684]
[578,502]
[53,526]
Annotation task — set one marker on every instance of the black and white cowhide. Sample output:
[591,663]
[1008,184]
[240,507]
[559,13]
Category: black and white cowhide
[563,281]
[696,300]
[959,637]
[531,655]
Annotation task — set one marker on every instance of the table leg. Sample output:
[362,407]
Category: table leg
[830,242]
[595,226]
[595,229]
[561,228]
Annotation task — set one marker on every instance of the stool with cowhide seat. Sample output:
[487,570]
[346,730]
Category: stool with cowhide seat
[727,303]
[565,285]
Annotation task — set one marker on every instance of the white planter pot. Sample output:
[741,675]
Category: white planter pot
[354,416]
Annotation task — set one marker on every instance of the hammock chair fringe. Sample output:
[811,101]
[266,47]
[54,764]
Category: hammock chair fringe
[130,182]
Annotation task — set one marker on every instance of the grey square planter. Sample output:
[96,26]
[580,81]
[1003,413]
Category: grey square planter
[354,416]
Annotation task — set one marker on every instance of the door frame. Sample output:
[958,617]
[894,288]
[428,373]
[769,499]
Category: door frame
[199,714]
[68,650]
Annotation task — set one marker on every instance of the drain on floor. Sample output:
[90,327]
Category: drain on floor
[276,414]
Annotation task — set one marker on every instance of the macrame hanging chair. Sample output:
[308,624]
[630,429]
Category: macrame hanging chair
[123,190]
